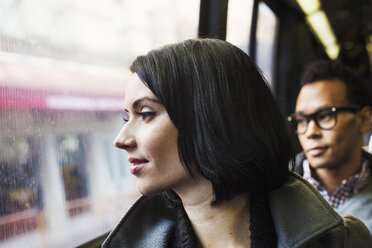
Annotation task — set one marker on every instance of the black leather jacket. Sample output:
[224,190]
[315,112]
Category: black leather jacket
[301,216]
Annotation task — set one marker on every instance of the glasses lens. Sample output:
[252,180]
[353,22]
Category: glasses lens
[300,123]
[326,119]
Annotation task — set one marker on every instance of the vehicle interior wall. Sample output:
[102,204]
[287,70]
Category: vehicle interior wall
[212,19]
[297,45]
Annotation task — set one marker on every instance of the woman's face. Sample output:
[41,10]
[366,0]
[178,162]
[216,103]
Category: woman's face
[150,138]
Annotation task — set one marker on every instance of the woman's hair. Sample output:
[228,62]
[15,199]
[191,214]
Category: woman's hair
[229,126]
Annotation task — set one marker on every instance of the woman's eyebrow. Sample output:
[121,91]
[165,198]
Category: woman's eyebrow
[145,99]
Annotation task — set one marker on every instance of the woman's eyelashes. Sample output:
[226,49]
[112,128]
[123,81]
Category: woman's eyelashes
[145,114]
[125,116]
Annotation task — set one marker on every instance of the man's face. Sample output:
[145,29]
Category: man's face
[338,146]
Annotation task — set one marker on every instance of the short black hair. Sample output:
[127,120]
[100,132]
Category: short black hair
[229,125]
[359,90]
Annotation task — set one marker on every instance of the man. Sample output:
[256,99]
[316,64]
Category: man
[332,117]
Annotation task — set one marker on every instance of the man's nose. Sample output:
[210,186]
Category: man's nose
[312,130]
[125,140]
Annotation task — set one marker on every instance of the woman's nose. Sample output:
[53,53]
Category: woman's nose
[124,140]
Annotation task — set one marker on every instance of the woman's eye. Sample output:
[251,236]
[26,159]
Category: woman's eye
[147,115]
[125,117]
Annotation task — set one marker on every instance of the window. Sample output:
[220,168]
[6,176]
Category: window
[266,33]
[71,160]
[239,17]
[63,68]
[20,195]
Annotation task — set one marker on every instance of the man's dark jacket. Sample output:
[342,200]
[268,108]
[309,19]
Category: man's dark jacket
[360,204]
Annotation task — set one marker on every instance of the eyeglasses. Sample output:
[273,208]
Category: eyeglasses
[325,118]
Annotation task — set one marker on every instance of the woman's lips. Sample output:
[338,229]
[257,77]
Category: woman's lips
[136,167]
[317,151]
[137,164]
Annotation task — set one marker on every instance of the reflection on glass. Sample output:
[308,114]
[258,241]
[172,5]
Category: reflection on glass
[63,68]
[71,160]
[19,169]
[239,18]
[20,189]
[266,33]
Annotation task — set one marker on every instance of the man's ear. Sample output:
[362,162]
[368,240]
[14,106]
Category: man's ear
[366,119]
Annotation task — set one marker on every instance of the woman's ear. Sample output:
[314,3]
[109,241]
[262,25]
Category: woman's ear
[366,119]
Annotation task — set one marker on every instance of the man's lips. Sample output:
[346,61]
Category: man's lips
[137,164]
[316,151]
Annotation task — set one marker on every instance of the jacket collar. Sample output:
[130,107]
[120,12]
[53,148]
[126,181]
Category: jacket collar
[152,221]
[149,223]
[293,206]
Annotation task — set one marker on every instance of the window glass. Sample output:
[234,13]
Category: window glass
[71,161]
[63,69]
[20,188]
[239,18]
[266,33]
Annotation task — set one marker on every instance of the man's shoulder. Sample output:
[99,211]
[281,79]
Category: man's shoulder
[302,217]
[360,205]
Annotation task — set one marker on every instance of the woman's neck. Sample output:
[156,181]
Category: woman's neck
[224,225]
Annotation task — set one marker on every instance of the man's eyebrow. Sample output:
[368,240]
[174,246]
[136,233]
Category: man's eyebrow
[325,107]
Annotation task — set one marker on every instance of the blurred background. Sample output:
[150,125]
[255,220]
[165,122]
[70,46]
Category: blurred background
[63,69]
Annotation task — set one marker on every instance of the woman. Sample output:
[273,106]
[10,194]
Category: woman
[203,128]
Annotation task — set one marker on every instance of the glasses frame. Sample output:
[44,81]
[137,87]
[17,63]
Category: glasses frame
[292,118]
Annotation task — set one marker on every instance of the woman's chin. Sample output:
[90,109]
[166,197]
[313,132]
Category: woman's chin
[145,189]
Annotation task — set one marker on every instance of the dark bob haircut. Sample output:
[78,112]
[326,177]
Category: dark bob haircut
[229,126]
[359,91]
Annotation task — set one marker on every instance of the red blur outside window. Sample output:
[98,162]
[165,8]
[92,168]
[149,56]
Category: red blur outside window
[63,69]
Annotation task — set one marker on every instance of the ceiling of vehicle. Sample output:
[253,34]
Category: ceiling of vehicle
[351,22]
